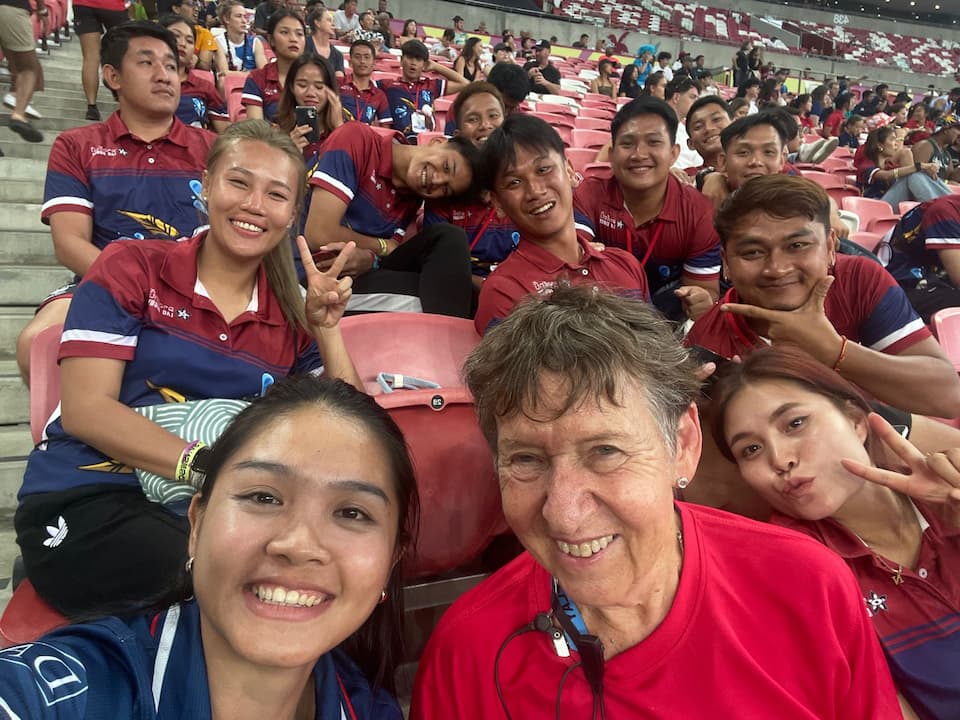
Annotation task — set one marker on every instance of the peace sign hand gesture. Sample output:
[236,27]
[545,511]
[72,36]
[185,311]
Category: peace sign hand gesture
[807,326]
[933,478]
[327,296]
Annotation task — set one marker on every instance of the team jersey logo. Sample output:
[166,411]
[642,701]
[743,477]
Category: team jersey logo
[114,467]
[200,110]
[875,603]
[151,223]
[56,674]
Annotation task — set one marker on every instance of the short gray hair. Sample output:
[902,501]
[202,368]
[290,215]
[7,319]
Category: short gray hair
[596,341]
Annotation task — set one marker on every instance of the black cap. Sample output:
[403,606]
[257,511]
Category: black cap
[542,45]
[457,18]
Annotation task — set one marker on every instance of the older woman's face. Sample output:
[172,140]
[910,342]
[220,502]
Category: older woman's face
[295,543]
[590,494]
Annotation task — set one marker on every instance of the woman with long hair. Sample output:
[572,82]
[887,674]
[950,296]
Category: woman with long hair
[603,84]
[468,62]
[891,173]
[201,104]
[804,439]
[286,34]
[288,602]
[238,51]
[655,85]
[629,86]
[310,83]
[321,34]
[411,31]
[219,315]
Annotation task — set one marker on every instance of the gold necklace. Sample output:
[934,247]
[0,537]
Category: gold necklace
[896,573]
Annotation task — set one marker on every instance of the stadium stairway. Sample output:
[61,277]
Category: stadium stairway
[28,268]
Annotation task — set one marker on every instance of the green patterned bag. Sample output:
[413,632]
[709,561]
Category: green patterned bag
[203,420]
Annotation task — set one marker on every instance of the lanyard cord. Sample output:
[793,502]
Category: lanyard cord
[487,219]
[657,232]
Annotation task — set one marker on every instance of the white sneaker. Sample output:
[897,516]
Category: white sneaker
[808,150]
[10,101]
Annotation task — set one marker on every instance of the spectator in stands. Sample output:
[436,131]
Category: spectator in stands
[583,42]
[361,98]
[460,32]
[755,63]
[791,286]
[898,114]
[680,94]
[322,33]
[741,63]
[383,25]
[346,21]
[501,54]
[141,332]
[367,189]
[382,8]
[468,62]
[261,92]
[806,440]
[656,85]
[822,102]
[19,47]
[852,128]
[532,183]
[882,97]
[663,65]
[248,596]
[477,111]
[239,51]
[410,32]
[445,47]
[512,82]
[91,19]
[603,84]
[925,255]
[917,118]
[804,103]
[573,389]
[738,107]
[644,63]
[412,94]
[835,120]
[89,200]
[750,91]
[666,224]
[890,172]
[934,148]
[481,27]
[686,66]
[628,85]
[200,102]
[699,70]
[204,44]
[867,107]
[262,13]
[769,94]
[706,119]
[544,75]
[311,82]
[527,43]
[368,29]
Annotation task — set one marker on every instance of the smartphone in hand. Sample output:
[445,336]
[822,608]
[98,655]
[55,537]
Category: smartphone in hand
[307,115]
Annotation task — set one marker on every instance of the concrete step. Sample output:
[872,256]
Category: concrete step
[23,169]
[11,477]
[14,396]
[49,124]
[21,191]
[21,216]
[15,441]
[28,285]
[26,247]
[14,147]
[12,321]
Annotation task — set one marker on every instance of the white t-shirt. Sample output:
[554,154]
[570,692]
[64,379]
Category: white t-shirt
[687,158]
[343,24]
[667,72]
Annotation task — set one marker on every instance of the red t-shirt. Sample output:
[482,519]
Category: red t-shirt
[833,123]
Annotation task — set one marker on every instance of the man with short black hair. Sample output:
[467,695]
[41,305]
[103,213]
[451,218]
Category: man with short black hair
[446,47]
[583,42]
[205,44]
[666,224]
[680,93]
[459,31]
[512,82]
[663,65]
[360,97]
[706,119]
[544,75]
[699,70]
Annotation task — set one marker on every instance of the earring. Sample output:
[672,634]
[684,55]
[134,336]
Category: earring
[188,565]
[383,597]
[682,482]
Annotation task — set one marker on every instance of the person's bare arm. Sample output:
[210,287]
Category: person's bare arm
[950,259]
[205,59]
[922,152]
[455,81]
[259,56]
[92,413]
[254,112]
[72,234]
[220,61]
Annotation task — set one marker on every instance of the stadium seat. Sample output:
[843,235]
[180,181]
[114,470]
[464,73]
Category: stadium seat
[44,379]
[27,617]
[580,157]
[598,113]
[597,169]
[590,123]
[459,492]
[555,108]
[906,206]
[946,326]
[866,240]
[232,90]
[554,120]
[875,215]
[589,138]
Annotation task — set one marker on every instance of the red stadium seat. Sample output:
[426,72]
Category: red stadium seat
[875,215]
[44,379]
[554,120]
[556,108]
[906,206]
[580,157]
[598,113]
[590,123]
[27,617]
[590,138]
[598,169]
[946,326]
[867,240]
[232,90]
[459,492]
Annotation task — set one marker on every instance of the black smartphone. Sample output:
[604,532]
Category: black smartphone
[307,115]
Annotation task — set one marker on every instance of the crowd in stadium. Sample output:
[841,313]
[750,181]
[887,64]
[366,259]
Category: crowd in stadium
[726,434]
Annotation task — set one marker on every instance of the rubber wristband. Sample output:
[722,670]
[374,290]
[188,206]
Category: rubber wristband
[374,259]
[843,353]
[384,250]
[916,167]
[187,456]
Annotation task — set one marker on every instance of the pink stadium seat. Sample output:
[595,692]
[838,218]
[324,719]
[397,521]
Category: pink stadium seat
[554,120]
[597,169]
[233,89]
[580,157]
[555,108]
[946,326]
[590,138]
[598,99]
[824,179]
[27,617]
[834,163]
[425,138]
[44,379]
[599,113]
[588,123]
[875,215]
[459,492]
[906,206]
[867,240]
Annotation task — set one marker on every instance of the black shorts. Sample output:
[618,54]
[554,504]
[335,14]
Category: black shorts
[92,549]
[94,20]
